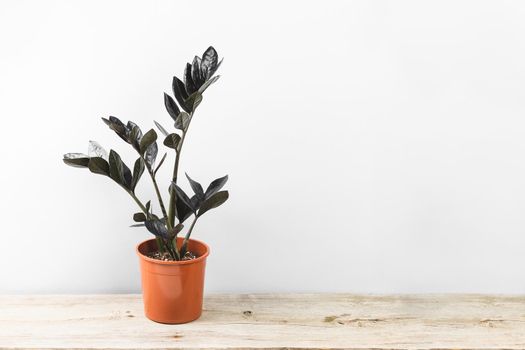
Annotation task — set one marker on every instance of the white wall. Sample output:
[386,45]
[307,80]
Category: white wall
[371,146]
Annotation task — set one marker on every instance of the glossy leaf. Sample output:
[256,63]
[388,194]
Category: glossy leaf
[161,129]
[134,135]
[151,155]
[208,83]
[215,186]
[139,217]
[196,187]
[175,230]
[118,171]
[213,202]
[183,120]
[183,196]
[77,160]
[117,126]
[194,101]
[160,164]
[188,81]
[138,170]
[211,72]
[157,227]
[171,106]
[147,140]
[179,90]
[128,176]
[172,140]
[98,165]
[96,150]
[183,211]
[196,202]
[209,62]
[196,75]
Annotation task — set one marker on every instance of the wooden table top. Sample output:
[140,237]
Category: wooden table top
[268,321]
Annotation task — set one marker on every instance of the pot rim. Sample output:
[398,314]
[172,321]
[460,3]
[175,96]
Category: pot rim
[174,263]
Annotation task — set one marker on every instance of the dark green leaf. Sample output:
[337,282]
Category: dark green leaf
[117,126]
[172,140]
[118,171]
[77,160]
[171,106]
[98,165]
[213,202]
[208,83]
[174,231]
[183,120]
[212,71]
[183,196]
[183,210]
[179,90]
[139,217]
[196,187]
[157,227]
[215,186]
[147,140]
[196,75]
[188,81]
[209,62]
[160,163]
[196,202]
[134,135]
[161,129]
[151,155]
[194,100]
[138,170]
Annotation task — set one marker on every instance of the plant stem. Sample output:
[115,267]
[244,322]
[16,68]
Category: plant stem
[187,237]
[160,244]
[159,197]
[175,250]
[139,203]
[171,250]
[173,196]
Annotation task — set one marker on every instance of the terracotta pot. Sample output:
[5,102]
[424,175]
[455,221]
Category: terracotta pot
[172,290]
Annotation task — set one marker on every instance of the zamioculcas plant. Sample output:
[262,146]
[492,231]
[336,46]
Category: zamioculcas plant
[168,225]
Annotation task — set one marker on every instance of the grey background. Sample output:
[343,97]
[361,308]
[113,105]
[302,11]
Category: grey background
[371,146]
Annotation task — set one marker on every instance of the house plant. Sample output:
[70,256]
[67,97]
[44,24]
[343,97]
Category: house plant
[172,264]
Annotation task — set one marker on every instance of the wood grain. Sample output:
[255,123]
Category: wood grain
[268,321]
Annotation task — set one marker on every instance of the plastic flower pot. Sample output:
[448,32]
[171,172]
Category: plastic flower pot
[172,290]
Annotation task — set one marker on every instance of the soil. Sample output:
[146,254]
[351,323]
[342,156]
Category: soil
[167,257]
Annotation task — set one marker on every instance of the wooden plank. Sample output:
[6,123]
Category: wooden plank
[268,321]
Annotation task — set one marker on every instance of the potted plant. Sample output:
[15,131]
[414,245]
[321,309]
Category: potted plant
[172,264]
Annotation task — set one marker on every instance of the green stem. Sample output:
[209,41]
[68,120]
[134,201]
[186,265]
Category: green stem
[173,196]
[159,197]
[160,244]
[139,203]
[174,247]
[187,237]
[172,250]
